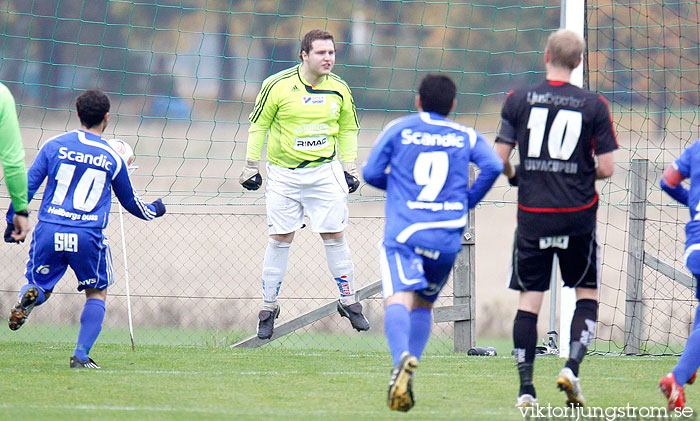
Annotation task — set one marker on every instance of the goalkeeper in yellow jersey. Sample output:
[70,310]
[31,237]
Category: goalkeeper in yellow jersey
[310,121]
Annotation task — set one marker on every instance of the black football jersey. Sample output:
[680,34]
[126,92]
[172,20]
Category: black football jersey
[558,128]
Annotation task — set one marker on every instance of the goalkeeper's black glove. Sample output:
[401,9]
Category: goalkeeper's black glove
[250,178]
[160,207]
[352,177]
[19,227]
[8,233]
[513,181]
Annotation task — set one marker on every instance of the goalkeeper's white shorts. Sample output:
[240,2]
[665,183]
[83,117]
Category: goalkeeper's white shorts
[321,192]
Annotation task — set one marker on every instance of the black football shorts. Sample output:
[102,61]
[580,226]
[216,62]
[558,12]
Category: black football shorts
[533,257]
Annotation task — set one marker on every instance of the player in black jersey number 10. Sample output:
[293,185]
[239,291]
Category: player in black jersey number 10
[560,131]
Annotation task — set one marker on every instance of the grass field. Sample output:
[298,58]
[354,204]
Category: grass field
[185,382]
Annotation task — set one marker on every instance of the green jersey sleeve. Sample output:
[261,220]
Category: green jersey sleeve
[262,116]
[348,126]
[12,151]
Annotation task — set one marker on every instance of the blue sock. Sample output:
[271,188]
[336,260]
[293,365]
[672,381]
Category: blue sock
[421,322]
[90,327]
[397,327]
[690,359]
[39,299]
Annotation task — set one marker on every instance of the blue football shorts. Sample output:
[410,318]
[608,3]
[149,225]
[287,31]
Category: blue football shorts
[54,247]
[406,268]
[691,259]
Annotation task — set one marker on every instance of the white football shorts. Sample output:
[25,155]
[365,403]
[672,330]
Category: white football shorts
[321,192]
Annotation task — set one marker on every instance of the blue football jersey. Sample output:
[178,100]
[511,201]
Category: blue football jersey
[689,166]
[81,170]
[422,161]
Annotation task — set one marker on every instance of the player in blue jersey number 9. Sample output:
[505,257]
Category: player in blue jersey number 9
[422,161]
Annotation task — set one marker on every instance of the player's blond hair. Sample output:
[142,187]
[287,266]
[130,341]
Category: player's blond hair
[565,48]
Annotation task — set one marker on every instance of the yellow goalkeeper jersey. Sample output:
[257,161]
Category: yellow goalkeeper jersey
[305,125]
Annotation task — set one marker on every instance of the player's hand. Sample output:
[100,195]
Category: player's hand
[513,181]
[352,177]
[160,207]
[8,233]
[250,178]
[21,227]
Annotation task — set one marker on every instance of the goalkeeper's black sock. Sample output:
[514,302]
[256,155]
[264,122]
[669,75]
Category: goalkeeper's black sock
[525,342]
[582,332]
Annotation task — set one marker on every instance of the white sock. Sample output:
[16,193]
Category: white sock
[274,268]
[342,269]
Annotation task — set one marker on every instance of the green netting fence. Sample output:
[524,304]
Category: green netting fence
[182,77]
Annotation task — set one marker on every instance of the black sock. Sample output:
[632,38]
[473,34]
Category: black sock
[525,341]
[582,332]
[526,387]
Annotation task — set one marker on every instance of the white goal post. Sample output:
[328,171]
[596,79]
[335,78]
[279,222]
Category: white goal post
[573,17]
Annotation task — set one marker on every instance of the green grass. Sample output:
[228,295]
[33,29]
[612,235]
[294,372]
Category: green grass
[372,341]
[120,335]
[184,382]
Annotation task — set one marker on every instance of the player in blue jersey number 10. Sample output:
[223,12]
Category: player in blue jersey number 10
[422,161]
[82,168]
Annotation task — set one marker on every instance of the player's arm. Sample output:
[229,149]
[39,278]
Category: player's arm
[12,151]
[606,166]
[131,201]
[490,164]
[260,121]
[348,126]
[18,225]
[506,140]
[503,151]
[604,139]
[375,169]
[671,184]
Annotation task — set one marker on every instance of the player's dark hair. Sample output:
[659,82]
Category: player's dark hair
[437,93]
[312,36]
[92,105]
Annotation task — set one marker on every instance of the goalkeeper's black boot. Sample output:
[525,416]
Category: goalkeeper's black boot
[400,396]
[354,313]
[266,322]
[76,363]
[21,310]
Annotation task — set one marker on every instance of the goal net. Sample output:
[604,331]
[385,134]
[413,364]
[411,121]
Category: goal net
[182,78]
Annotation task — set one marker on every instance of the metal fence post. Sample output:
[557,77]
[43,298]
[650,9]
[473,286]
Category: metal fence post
[635,257]
[463,285]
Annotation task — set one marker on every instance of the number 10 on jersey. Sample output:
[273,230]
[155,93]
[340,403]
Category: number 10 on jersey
[563,133]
